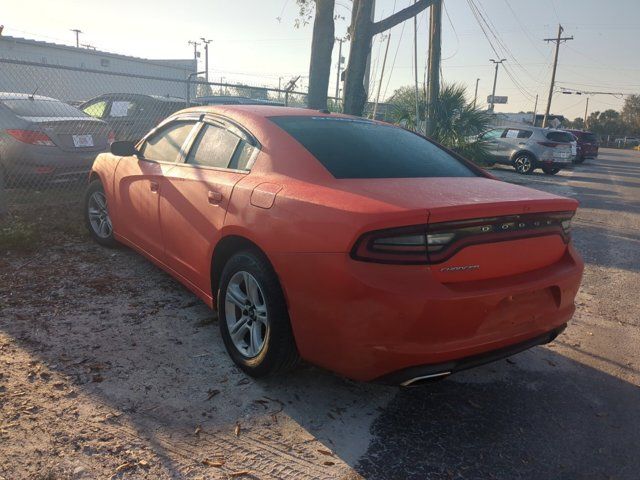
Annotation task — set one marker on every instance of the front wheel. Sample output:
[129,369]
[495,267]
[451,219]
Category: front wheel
[550,170]
[524,164]
[96,215]
[254,321]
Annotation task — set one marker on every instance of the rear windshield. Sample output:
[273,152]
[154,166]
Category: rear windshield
[355,148]
[42,108]
[560,137]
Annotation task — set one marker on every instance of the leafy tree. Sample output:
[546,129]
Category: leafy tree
[631,113]
[457,123]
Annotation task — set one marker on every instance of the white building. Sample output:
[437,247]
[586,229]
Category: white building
[74,74]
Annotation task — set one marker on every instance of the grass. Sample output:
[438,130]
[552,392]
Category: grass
[37,217]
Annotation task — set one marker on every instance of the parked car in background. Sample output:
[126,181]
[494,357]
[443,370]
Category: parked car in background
[131,115]
[356,245]
[587,145]
[43,139]
[529,148]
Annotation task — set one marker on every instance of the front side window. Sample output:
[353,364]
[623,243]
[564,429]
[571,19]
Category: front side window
[214,147]
[165,145]
[359,148]
[493,134]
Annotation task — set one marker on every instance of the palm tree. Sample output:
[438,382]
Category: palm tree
[457,122]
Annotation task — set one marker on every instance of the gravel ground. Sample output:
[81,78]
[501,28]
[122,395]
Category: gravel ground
[110,369]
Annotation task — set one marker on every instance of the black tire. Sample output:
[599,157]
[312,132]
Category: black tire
[278,352]
[579,159]
[550,170]
[524,163]
[104,238]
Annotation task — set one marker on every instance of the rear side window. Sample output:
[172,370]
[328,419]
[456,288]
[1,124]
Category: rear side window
[122,108]
[42,108]
[214,147]
[564,137]
[165,145]
[524,133]
[589,138]
[356,148]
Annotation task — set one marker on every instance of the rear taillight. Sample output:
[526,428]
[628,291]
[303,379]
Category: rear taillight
[549,144]
[436,243]
[31,137]
[111,137]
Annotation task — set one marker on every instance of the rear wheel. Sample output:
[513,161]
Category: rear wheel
[96,215]
[524,164]
[254,321]
[550,170]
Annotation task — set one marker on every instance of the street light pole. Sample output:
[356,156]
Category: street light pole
[495,81]
[206,58]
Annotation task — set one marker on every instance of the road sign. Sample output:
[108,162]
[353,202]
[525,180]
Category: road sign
[497,99]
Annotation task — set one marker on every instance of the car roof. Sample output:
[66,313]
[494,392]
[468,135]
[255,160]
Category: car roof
[263,111]
[138,96]
[24,96]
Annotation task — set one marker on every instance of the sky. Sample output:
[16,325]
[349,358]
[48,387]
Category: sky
[255,42]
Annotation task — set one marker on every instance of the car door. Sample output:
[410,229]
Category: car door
[195,197]
[492,141]
[514,140]
[138,182]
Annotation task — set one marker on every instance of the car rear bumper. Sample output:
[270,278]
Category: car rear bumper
[423,373]
[367,320]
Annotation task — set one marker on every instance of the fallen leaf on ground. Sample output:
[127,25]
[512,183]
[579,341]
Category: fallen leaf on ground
[213,463]
[240,473]
[212,393]
[197,430]
[237,430]
[325,452]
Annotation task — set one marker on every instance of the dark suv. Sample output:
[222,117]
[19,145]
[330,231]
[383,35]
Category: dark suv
[587,145]
[131,115]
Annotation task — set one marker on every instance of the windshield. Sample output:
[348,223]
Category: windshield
[356,148]
[42,108]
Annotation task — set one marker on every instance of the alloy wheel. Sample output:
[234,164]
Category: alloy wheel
[99,215]
[246,314]
[523,164]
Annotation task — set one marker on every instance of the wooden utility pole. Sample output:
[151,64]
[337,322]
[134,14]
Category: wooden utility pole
[416,93]
[206,58]
[77,32]
[384,63]
[535,112]
[586,110]
[495,81]
[475,96]
[340,40]
[433,81]
[557,41]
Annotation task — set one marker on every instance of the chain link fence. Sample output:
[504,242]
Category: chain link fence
[55,119]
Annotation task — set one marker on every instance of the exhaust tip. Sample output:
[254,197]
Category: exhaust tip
[415,381]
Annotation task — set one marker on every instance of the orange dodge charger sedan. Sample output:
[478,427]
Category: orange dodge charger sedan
[355,245]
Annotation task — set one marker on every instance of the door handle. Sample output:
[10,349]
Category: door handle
[214,197]
[153,186]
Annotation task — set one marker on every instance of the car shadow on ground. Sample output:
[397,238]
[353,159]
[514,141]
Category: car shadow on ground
[163,367]
[540,416]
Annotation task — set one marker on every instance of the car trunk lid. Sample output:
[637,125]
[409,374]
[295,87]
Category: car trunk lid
[73,134]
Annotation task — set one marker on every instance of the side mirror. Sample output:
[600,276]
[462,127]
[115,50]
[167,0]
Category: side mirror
[124,149]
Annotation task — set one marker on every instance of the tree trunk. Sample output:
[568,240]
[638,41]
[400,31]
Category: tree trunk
[362,31]
[321,49]
[355,96]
